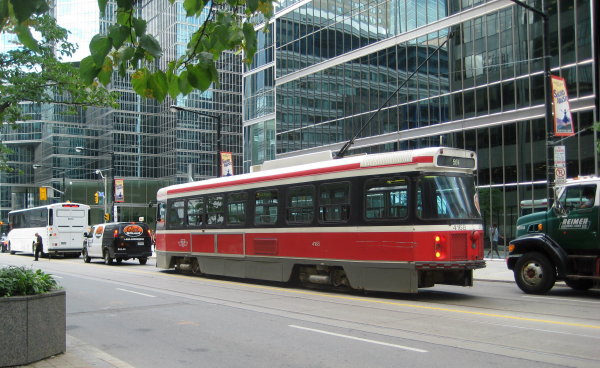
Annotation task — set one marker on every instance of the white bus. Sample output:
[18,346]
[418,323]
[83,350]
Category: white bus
[61,226]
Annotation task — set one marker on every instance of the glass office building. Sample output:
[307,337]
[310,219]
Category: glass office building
[327,67]
[141,141]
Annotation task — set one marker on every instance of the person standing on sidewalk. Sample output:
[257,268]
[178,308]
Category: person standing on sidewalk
[39,246]
[494,236]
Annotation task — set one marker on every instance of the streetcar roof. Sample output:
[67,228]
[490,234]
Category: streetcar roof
[422,158]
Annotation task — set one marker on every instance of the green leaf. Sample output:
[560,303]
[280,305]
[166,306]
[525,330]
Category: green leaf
[118,34]
[102,6]
[24,9]
[199,77]
[105,74]
[139,81]
[184,85]
[125,4]
[3,9]
[100,47]
[88,70]
[151,45]
[140,26]
[250,44]
[193,7]
[126,54]
[158,84]
[174,90]
[124,18]
[252,5]
[25,37]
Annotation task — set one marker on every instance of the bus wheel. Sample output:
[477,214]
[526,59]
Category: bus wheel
[534,273]
[582,284]
[107,258]
[86,258]
[143,261]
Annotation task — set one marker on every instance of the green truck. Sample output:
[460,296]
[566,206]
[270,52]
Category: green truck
[562,243]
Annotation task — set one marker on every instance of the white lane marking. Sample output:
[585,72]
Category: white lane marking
[135,292]
[57,277]
[561,299]
[360,339]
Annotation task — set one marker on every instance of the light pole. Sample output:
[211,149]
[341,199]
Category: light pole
[175,108]
[104,177]
[548,99]
[64,188]
[99,172]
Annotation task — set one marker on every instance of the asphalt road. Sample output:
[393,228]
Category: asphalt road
[154,318]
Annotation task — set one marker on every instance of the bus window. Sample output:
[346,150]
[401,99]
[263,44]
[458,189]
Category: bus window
[300,205]
[265,207]
[175,213]
[386,198]
[195,212]
[334,202]
[236,208]
[215,209]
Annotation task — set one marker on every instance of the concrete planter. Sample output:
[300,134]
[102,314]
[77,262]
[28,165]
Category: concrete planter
[32,327]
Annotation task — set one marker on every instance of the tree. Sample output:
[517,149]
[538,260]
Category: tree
[34,69]
[127,46]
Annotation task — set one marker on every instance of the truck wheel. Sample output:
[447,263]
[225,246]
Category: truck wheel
[143,261]
[107,258]
[534,273]
[580,284]
[86,258]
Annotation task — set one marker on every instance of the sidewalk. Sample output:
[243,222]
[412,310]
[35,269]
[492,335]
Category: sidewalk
[82,355]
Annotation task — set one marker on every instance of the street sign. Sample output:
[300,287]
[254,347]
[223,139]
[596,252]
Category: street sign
[560,165]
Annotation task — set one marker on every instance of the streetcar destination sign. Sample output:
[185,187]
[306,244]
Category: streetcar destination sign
[461,162]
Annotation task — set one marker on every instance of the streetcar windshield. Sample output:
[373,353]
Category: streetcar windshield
[446,197]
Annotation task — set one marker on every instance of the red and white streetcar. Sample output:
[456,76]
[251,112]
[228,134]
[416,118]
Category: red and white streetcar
[383,222]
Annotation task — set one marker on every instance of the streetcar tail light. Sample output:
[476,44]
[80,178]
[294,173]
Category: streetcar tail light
[440,242]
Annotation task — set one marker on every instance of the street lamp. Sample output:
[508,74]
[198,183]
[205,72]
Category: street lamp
[548,98]
[175,108]
[105,178]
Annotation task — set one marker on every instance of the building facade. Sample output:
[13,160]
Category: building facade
[328,67]
[141,142]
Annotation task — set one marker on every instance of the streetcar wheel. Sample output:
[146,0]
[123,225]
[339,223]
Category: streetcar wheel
[143,261]
[86,258]
[534,273]
[580,284]
[107,258]
[196,267]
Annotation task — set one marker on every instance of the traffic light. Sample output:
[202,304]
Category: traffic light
[96,200]
[106,217]
[43,193]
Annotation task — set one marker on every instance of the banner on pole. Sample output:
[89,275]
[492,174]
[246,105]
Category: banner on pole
[563,121]
[119,190]
[226,164]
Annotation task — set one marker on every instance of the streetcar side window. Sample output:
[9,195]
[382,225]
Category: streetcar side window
[300,205]
[236,208]
[195,212]
[386,198]
[334,202]
[176,215]
[265,207]
[215,209]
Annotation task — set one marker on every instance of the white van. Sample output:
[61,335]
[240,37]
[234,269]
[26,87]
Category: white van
[118,241]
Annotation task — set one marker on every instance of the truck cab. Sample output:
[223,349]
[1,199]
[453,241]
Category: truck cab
[561,243]
[118,241]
